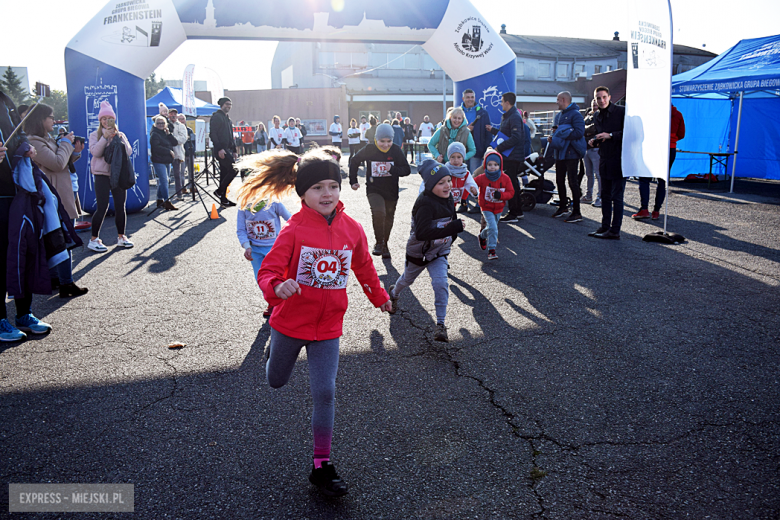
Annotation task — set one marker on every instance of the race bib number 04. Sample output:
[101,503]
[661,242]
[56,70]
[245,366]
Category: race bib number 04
[381,169]
[324,268]
[260,229]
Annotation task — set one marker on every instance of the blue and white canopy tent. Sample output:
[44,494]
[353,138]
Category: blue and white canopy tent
[173,98]
[743,83]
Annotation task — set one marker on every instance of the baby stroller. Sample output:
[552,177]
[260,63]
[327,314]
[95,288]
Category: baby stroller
[538,190]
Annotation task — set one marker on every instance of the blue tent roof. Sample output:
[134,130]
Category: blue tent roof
[172,97]
[751,66]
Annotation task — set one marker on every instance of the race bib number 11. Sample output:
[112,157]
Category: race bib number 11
[324,268]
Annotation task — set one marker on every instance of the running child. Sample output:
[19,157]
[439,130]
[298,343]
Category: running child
[434,227]
[304,277]
[353,136]
[462,181]
[385,163]
[495,187]
[291,137]
[258,226]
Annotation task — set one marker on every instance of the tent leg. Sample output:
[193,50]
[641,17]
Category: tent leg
[736,143]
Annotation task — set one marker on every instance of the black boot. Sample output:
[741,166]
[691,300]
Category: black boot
[327,480]
[377,251]
[71,289]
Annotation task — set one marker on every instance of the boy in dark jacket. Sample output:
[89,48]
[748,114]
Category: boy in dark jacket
[385,163]
[434,227]
[513,127]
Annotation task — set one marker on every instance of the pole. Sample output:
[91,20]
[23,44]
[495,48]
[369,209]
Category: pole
[736,143]
[443,95]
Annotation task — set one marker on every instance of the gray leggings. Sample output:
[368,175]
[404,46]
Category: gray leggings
[437,270]
[323,359]
[102,192]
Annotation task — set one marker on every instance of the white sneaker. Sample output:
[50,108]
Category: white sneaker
[123,241]
[97,246]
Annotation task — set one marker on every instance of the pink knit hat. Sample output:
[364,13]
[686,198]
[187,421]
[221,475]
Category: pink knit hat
[106,110]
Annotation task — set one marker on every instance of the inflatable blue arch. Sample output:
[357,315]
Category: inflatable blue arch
[123,44]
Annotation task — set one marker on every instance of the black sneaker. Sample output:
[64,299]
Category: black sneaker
[482,242]
[377,251]
[393,300]
[385,251]
[441,333]
[597,232]
[227,202]
[574,217]
[509,218]
[463,207]
[327,480]
[561,212]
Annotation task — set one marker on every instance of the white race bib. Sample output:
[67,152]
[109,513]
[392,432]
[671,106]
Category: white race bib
[457,193]
[381,169]
[489,193]
[324,268]
[260,229]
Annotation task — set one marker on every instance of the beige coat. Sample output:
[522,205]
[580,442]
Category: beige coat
[53,161]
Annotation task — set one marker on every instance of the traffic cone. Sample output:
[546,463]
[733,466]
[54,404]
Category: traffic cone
[214,214]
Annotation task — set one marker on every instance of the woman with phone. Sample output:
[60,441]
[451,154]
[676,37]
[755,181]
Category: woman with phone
[53,157]
[101,170]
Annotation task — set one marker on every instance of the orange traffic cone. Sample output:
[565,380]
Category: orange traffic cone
[214,214]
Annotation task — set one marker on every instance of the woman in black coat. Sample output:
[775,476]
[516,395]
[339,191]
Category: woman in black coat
[162,142]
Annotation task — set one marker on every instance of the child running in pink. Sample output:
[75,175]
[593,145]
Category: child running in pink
[304,277]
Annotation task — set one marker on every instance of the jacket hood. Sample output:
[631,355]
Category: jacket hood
[490,154]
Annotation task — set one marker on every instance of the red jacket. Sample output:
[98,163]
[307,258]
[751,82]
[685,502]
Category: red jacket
[319,257]
[678,127]
[490,204]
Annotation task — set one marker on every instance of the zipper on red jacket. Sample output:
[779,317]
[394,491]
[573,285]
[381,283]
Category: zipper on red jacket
[323,291]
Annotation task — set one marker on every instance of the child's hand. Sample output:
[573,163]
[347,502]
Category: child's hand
[248,253]
[475,192]
[287,289]
[497,195]
[387,306]
[356,186]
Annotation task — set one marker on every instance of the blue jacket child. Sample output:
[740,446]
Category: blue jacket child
[257,229]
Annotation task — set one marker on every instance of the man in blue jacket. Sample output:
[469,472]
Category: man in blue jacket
[513,127]
[568,141]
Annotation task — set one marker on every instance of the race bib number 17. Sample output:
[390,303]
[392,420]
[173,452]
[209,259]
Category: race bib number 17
[324,268]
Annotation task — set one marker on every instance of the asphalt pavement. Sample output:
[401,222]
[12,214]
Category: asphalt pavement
[583,378]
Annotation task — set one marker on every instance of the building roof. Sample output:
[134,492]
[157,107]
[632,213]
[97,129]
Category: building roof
[561,47]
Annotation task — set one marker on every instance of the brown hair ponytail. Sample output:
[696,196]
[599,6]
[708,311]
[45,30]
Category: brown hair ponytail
[274,173]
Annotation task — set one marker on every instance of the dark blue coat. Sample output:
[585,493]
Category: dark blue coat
[512,125]
[569,139]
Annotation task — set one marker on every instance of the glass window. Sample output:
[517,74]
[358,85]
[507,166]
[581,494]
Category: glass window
[342,60]
[563,70]
[544,70]
[395,60]
[579,69]
[609,68]
[429,63]
[597,69]
[359,60]
[412,61]
[325,59]
[520,68]
[377,59]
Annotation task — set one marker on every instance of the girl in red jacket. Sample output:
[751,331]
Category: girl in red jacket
[304,277]
[495,187]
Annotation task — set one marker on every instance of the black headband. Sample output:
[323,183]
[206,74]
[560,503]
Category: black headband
[312,172]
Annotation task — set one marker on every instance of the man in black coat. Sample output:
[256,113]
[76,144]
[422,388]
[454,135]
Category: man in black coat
[609,140]
[224,148]
[513,127]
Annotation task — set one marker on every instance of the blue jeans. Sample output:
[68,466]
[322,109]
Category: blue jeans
[258,255]
[491,231]
[162,171]
[437,270]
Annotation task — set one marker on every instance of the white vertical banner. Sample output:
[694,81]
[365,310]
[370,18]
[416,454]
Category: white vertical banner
[648,89]
[188,87]
[200,135]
